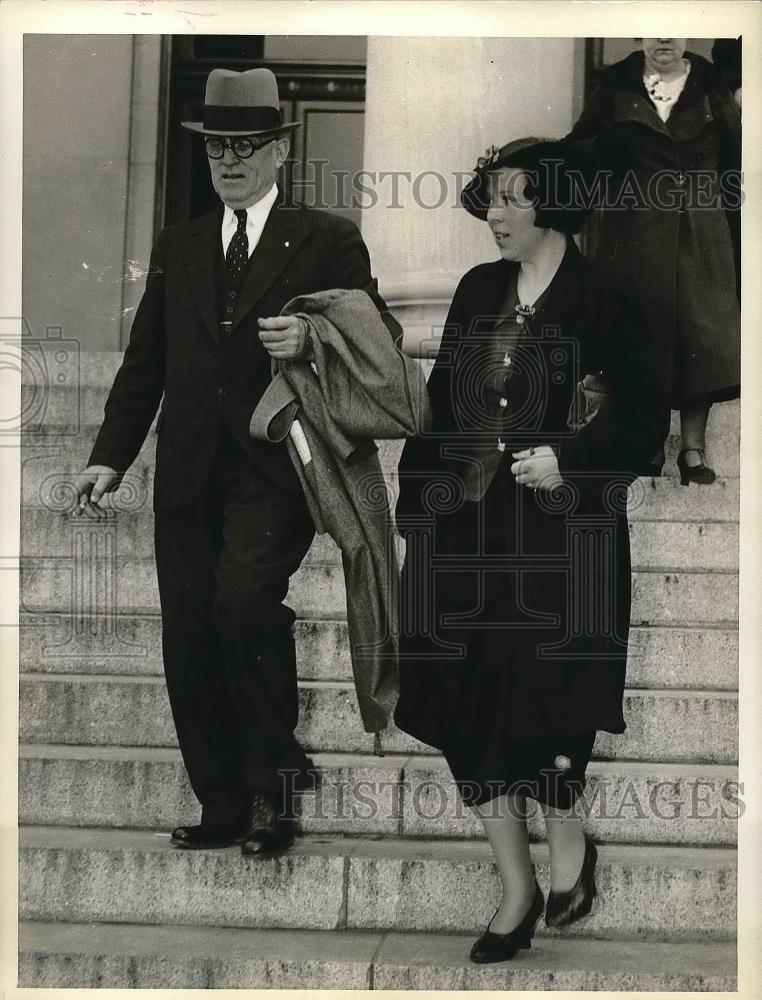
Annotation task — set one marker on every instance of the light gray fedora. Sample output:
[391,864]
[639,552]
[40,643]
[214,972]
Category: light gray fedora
[242,104]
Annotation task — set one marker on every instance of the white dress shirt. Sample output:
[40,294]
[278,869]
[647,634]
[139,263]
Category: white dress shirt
[256,217]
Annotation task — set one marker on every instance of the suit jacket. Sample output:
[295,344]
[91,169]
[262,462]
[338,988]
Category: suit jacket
[176,349]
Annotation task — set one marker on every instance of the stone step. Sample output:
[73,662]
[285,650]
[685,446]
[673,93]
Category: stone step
[654,544]
[89,956]
[366,795]
[54,643]
[119,876]
[692,726]
[48,475]
[659,597]
[659,657]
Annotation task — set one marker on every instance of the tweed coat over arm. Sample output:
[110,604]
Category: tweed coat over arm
[356,388]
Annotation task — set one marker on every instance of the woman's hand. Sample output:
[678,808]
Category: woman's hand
[284,337]
[537,468]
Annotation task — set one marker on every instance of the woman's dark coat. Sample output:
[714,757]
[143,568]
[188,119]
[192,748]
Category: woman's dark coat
[463,682]
[664,224]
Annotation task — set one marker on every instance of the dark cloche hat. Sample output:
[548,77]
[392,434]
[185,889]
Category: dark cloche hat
[242,104]
[531,154]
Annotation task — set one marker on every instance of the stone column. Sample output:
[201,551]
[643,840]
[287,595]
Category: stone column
[433,105]
[142,165]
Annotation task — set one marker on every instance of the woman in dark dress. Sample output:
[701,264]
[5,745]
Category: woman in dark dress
[516,584]
[666,131]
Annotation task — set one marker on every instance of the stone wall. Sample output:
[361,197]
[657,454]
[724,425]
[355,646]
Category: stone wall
[90,113]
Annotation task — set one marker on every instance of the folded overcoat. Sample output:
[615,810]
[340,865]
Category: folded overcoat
[356,387]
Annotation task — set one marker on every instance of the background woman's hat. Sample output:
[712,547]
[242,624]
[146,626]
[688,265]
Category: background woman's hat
[241,104]
[529,153]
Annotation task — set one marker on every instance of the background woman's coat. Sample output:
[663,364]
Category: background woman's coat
[502,686]
[664,235]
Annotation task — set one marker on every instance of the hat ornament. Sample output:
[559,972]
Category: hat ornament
[491,155]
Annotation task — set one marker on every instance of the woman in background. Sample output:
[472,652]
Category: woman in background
[664,125]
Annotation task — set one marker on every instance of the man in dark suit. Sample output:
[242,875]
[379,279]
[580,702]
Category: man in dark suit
[231,522]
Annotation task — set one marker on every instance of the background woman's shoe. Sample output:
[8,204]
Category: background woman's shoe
[700,473]
[501,947]
[565,907]
[655,465]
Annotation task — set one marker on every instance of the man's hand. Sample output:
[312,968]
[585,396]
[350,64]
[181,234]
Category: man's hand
[90,486]
[537,468]
[284,337]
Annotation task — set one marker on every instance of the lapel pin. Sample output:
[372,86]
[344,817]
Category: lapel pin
[286,244]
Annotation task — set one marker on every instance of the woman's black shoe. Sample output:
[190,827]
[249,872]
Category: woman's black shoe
[700,473]
[565,907]
[500,947]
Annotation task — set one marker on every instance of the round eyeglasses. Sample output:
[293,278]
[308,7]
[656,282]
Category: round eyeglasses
[242,146]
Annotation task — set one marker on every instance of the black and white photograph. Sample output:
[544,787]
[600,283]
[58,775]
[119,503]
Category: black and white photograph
[381,530]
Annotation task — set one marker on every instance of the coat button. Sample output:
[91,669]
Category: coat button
[232,295]
[229,310]
[503,402]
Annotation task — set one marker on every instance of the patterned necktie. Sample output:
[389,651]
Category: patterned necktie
[238,249]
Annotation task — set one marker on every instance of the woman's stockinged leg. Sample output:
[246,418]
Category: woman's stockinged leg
[566,841]
[693,419]
[504,821]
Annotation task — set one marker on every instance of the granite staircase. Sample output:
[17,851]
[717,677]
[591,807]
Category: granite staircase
[392,878]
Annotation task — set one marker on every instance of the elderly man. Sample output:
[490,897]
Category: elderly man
[231,523]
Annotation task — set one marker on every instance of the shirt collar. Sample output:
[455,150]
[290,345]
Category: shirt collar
[256,214]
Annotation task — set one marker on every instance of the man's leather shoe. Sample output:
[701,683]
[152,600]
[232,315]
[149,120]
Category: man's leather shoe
[267,835]
[206,836]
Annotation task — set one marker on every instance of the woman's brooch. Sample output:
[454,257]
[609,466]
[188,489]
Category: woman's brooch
[490,156]
[524,312]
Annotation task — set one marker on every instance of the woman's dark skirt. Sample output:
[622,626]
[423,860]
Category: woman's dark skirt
[551,770]
[507,714]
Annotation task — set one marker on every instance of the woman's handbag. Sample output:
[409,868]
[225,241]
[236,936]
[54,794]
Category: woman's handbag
[590,396]
[590,399]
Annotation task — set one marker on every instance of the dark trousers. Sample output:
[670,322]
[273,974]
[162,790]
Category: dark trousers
[223,564]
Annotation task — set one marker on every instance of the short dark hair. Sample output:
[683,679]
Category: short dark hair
[558,191]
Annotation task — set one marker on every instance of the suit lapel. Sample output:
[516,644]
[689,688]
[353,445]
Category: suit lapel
[201,250]
[285,229]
